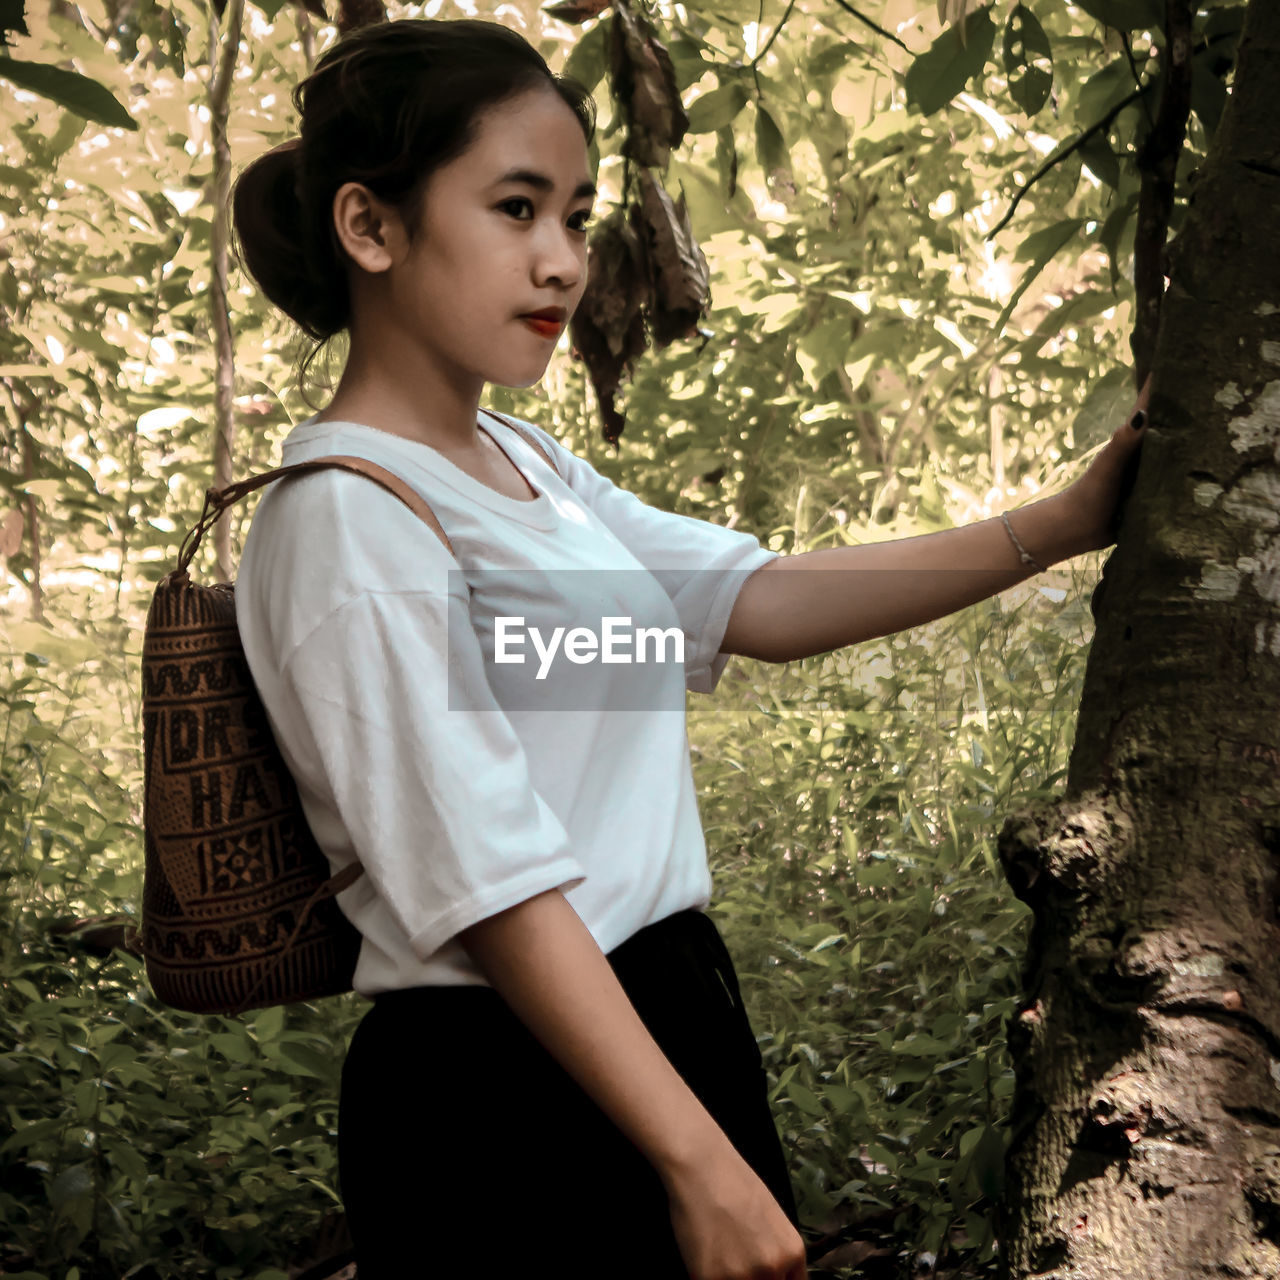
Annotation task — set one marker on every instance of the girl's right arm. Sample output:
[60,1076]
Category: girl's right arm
[542,959]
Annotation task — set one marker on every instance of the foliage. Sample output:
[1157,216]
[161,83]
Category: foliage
[851,804]
[879,360]
[134,1135]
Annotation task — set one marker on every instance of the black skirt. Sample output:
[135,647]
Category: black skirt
[466,1150]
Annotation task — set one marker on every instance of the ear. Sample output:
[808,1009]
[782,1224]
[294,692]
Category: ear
[368,229]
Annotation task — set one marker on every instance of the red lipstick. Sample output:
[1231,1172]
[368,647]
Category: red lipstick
[547,328]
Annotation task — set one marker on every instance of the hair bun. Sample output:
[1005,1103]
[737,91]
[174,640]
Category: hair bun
[269,219]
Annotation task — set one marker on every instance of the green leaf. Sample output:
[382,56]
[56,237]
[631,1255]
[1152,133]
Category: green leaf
[125,1157]
[1124,15]
[86,1098]
[31,1134]
[268,1024]
[910,1075]
[921,1046]
[71,1184]
[829,57]
[302,1059]
[726,164]
[716,109]
[1103,90]
[805,1099]
[771,149]
[233,1045]
[586,61]
[969,1139]
[943,70]
[828,941]
[1119,221]
[114,1056]
[1101,160]
[68,89]
[842,1098]
[1028,60]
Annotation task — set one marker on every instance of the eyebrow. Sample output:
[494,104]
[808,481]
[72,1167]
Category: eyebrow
[541,182]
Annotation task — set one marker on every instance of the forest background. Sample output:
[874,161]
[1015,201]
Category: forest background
[920,254]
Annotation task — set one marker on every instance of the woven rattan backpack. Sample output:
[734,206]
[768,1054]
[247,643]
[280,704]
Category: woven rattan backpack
[237,902]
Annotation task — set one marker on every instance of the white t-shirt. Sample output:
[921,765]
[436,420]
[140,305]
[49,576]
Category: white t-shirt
[462,784]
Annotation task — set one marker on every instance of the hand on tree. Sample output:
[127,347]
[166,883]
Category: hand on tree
[1097,499]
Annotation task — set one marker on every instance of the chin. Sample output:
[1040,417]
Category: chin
[520,383]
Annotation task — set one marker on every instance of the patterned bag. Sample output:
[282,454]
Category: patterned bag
[237,906]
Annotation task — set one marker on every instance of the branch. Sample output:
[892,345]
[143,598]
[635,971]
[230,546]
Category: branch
[880,31]
[773,35]
[225,49]
[1074,145]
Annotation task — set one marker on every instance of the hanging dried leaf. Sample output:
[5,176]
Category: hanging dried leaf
[576,10]
[617,286]
[607,331]
[680,282]
[11,533]
[643,85]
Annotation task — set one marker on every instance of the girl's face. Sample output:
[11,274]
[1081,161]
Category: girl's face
[503,234]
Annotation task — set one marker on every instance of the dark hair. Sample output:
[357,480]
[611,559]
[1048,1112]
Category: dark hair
[386,106]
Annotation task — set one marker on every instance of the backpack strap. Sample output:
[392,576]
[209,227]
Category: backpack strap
[216,501]
[526,436]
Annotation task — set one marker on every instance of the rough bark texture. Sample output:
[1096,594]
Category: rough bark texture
[1146,1128]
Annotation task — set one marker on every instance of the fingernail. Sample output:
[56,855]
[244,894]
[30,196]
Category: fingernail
[1139,420]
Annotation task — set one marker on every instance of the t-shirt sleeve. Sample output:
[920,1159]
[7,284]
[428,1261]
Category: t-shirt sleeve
[431,781]
[701,566]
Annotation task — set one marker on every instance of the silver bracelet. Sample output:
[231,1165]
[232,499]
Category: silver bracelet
[1027,558]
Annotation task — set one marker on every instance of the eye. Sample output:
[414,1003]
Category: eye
[506,204]
[524,200]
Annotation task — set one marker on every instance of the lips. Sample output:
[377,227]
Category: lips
[548,328]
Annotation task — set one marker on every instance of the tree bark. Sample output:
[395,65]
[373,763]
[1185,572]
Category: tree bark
[1146,1121]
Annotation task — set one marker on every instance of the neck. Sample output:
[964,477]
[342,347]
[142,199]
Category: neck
[376,390]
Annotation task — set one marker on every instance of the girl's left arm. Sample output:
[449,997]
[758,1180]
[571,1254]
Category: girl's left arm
[800,605]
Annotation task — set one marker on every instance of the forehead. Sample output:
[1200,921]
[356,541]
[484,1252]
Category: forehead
[536,132]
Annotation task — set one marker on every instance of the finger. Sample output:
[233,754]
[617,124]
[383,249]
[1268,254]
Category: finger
[1138,416]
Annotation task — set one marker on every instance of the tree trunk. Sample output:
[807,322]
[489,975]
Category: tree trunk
[1146,1124]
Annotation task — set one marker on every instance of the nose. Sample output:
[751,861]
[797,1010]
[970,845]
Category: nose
[560,255]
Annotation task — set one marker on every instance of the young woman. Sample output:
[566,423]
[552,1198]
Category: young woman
[557,1072]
